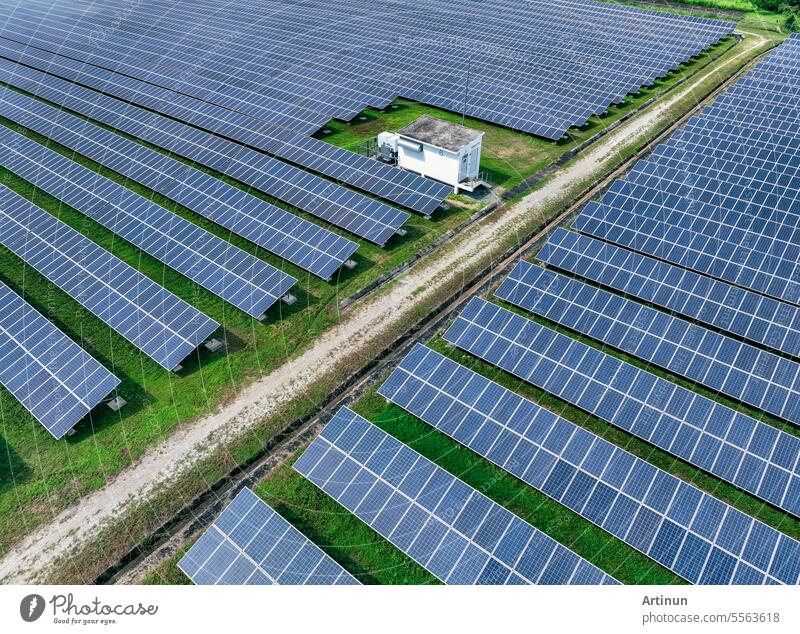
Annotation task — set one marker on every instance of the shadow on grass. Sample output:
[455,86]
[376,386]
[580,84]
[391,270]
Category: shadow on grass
[13,469]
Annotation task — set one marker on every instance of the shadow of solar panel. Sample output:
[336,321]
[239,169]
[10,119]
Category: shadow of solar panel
[55,379]
[746,373]
[302,243]
[362,216]
[446,526]
[251,544]
[239,278]
[674,523]
[762,320]
[161,325]
[754,456]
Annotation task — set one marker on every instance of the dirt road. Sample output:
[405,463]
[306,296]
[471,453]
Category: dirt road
[374,322]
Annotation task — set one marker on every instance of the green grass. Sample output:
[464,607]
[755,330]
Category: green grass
[745,6]
[509,157]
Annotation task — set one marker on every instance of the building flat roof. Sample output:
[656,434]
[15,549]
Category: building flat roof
[441,133]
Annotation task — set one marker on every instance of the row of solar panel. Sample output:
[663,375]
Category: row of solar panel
[56,380]
[674,523]
[503,86]
[677,525]
[241,279]
[719,197]
[310,247]
[455,532]
[461,536]
[762,379]
[362,216]
[752,455]
[404,188]
[53,377]
[251,544]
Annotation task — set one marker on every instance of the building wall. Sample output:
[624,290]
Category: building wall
[445,166]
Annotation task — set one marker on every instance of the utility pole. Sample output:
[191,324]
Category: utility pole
[466,90]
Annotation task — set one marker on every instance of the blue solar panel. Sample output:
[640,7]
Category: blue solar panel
[738,449]
[746,373]
[56,380]
[647,508]
[241,279]
[362,216]
[753,317]
[446,526]
[250,544]
[310,247]
[154,320]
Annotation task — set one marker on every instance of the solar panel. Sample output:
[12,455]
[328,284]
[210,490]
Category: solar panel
[689,532]
[251,544]
[241,279]
[161,325]
[55,379]
[753,456]
[449,528]
[753,317]
[310,247]
[388,182]
[362,216]
[764,380]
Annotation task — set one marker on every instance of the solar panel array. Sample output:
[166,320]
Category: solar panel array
[719,198]
[161,325]
[404,188]
[241,279]
[310,247]
[736,448]
[753,317]
[55,379]
[251,544]
[358,214]
[689,532]
[537,66]
[723,364]
[449,528]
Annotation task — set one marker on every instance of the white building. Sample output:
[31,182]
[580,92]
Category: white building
[438,149]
